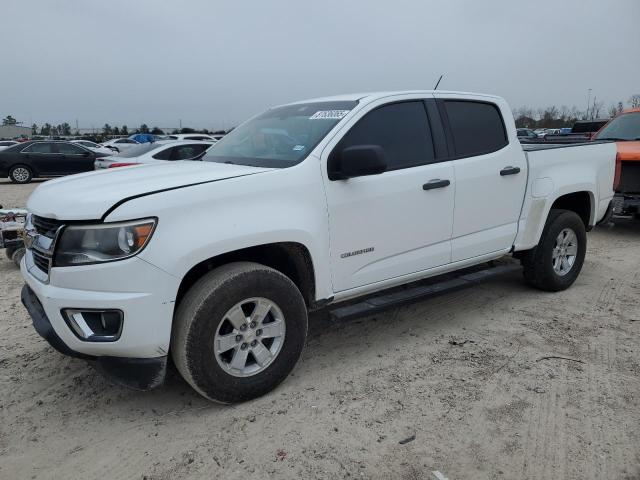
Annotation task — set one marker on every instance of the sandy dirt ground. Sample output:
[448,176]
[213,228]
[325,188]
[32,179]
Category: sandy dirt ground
[458,384]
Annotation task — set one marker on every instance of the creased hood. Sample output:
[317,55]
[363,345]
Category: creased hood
[88,196]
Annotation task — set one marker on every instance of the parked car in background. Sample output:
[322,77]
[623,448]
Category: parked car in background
[7,143]
[35,159]
[120,144]
[218,262]
[624,129]
[588,127]
[192,136]
[526,134]
[540,132]
[157,152]
[144,137]
[96,147]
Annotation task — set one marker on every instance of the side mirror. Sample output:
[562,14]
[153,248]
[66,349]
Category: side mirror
[85,154]
[357,161]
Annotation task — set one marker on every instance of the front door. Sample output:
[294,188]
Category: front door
[398,222]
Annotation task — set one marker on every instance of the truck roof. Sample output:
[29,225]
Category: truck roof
[370,96]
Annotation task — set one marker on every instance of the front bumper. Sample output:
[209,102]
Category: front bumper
[145,295]
[138,373]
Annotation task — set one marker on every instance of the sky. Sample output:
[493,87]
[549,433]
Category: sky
[211,64]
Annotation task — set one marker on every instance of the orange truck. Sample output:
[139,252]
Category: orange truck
[624,129]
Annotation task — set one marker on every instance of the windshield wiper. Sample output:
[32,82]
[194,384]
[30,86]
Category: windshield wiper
[615,139]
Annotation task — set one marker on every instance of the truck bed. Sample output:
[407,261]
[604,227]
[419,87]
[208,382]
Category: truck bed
[535,146]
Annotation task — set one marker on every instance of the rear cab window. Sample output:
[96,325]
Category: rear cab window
[477,127]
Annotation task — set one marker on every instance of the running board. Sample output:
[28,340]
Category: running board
[420,292]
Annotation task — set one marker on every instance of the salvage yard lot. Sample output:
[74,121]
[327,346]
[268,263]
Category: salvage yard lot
[465,374]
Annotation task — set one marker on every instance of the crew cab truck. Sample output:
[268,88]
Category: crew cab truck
[307,205]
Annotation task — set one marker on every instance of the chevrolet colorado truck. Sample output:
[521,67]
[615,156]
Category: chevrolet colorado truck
[216,263]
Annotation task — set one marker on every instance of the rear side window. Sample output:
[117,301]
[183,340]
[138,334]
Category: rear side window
[163,154]
[401,129]
[69,149]
[477,127]
[187,152]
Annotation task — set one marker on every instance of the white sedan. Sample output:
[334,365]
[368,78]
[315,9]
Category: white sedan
[156,152]
[120,144]
[95,147]
[7,143]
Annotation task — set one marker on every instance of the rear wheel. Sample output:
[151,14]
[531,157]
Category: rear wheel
[556,262]
[20,174]
[239,331]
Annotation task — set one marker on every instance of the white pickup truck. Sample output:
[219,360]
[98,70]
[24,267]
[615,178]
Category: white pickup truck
[311,204]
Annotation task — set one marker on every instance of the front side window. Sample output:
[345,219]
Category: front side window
[625,127]
[401,129]
[40,147]
[477,127]
[280,137]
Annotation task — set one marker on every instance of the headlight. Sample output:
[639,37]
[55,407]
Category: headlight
[85,244]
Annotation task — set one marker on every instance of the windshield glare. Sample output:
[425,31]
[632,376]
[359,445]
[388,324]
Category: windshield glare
[623,127]
[280,137]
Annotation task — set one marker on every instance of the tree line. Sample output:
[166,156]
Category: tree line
[563,116]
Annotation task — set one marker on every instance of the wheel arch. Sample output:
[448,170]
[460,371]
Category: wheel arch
[579,199]
[289,258]
[580,202]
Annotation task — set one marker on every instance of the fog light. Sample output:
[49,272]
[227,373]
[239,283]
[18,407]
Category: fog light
[94,325]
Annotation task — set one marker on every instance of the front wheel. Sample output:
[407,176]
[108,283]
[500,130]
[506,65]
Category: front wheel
[239,331]
[17,255]
[555,263]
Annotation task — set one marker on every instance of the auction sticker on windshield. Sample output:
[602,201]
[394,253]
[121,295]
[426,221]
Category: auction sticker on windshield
[329,114]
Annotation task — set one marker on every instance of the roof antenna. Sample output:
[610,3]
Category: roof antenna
[438,83]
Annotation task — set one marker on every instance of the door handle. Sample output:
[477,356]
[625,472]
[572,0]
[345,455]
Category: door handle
[509,171]
[436,183]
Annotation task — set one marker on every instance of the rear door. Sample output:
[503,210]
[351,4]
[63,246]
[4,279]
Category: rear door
[74,158]
[398,222]
[491,175]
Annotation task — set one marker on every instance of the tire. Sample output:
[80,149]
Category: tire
[544,272]
[202,320]
[20,174]
[9,252]
[17,256]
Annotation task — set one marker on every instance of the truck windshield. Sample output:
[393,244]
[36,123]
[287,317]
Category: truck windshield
[280,137]
[623,127]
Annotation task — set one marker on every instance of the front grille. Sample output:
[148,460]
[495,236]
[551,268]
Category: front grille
[629,177]
[45,226]
[42,251]
[41,261]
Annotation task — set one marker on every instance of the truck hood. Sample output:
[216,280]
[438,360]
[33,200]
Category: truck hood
[629,151]
[88,196]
